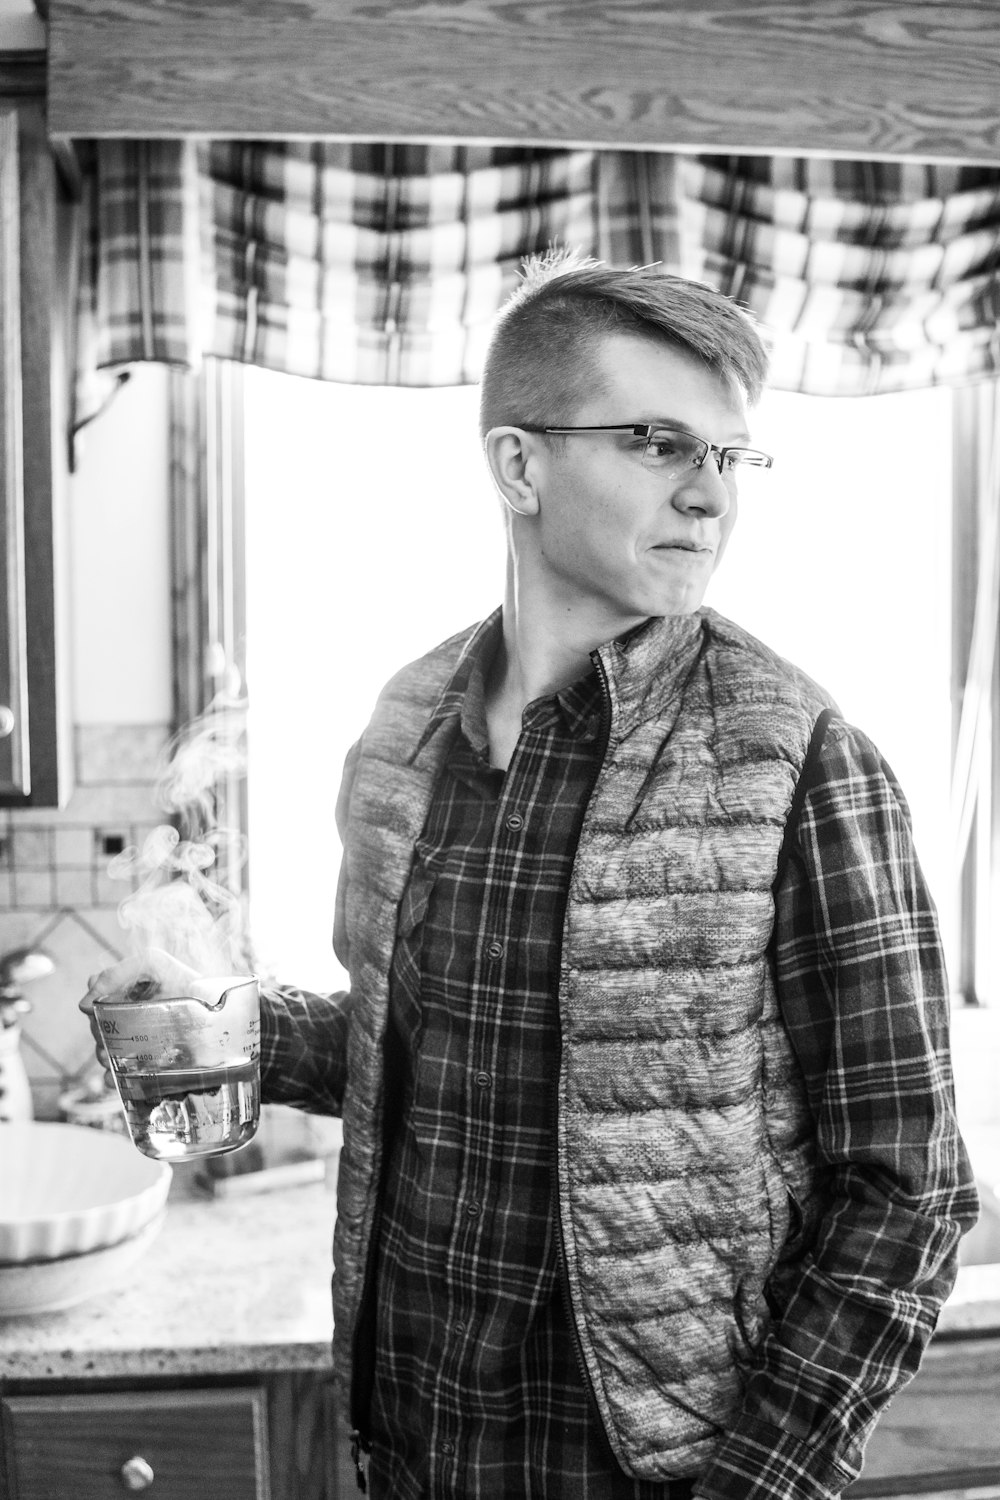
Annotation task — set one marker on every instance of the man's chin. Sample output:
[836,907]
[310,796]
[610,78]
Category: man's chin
[685,602]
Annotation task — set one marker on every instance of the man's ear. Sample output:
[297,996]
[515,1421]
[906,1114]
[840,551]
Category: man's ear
[511,454]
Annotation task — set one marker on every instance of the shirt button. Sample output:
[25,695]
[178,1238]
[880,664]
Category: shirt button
[495,949]
[448,1447]
[483,1080]
[459,1328]
[473,1209]
[515,822]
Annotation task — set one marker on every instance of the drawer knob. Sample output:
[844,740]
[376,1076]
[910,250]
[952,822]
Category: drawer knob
[7,721]
[137,1474]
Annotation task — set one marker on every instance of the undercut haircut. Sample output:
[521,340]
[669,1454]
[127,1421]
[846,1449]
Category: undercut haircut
[542,361]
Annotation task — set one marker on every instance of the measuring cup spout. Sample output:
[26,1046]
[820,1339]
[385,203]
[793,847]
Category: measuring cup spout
[213,994]
[240,984]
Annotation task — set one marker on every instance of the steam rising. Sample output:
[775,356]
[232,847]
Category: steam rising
[187,899]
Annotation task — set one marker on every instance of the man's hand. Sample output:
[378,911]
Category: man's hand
[144,977]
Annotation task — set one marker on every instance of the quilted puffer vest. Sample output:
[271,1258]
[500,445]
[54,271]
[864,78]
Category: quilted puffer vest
[685,1144]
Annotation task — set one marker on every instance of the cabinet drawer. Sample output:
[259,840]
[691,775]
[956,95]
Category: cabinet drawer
[181,1445]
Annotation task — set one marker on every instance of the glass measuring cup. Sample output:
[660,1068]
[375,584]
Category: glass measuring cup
[187,1067]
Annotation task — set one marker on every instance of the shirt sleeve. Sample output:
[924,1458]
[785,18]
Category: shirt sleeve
[863,993]
[303,1044]
[303,1047]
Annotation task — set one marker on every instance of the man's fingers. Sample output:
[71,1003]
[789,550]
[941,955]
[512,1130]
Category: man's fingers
[137,978]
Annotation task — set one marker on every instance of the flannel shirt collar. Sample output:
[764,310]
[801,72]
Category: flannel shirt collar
[470,668]
[462,702]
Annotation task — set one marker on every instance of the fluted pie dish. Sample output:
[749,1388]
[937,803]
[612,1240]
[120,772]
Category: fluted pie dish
[66,1190]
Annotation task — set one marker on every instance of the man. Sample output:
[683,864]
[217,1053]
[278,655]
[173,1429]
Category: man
[651,1183]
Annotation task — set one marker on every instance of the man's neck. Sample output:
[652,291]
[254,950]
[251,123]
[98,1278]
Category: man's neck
[543,650]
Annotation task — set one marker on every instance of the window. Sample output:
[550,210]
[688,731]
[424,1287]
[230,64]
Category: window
[372,532]
[355,517]
[847,572]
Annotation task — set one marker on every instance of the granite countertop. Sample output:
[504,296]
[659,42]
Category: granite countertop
[230,1285]
[233,1285]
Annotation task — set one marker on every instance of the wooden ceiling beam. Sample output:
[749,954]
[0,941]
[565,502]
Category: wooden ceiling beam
[841,77]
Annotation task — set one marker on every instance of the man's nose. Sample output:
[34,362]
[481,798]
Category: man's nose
[704,490]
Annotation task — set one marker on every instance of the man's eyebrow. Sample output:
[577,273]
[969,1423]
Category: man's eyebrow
[742,441]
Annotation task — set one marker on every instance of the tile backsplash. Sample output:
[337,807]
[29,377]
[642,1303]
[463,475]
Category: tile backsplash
[57,893]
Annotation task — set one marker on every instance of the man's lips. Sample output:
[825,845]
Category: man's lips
[682,547]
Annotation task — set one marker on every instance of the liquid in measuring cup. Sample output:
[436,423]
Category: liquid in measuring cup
[187,1067]
[181,1113]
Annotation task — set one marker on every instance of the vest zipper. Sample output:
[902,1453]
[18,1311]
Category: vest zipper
[358,1446]
[363,1362]
[604,737]
[363,1336]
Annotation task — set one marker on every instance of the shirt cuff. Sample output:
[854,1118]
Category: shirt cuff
[757,1461]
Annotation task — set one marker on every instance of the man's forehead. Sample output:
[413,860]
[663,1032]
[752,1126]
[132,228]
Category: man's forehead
[662,384]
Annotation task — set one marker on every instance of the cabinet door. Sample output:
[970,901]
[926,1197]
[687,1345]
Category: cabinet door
[35,276]
[184,1445]
[14,759]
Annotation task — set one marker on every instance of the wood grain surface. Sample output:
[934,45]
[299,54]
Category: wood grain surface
[209,1443]
[849,77]
[43,301]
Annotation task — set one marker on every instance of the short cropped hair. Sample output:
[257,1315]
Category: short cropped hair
[541,363]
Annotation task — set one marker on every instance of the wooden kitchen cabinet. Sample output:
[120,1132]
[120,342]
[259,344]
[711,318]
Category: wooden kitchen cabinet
[276,1436]
[35,283]
[273,1438]
[184,1444]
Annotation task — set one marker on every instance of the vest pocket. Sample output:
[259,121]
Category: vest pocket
[779,1206]
[803,1205]
[405,1025]
[423,874]
[786,1233]
[784,1278]
[751,1318]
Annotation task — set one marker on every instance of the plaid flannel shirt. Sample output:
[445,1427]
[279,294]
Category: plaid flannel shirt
[863,993]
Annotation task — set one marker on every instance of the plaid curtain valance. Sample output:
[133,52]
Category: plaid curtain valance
[364,264]
[386,264]
[869,276]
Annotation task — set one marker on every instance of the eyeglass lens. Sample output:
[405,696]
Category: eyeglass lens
[669,450]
